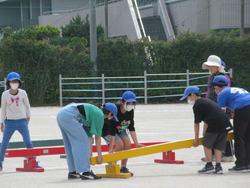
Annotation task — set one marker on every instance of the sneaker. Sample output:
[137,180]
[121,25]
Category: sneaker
[227,159]
[37,166]
[125,170]
[90,176]
[218,170]
[238,169]
[1,166]
[73,176]
[207,170]
[248,168]
[204,158]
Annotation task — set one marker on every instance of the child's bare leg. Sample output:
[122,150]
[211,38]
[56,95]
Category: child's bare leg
[218,155]
[208,154]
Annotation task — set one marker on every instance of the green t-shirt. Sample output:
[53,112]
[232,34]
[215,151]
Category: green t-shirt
[95,118]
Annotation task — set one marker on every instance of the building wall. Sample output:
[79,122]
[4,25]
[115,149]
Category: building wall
[21,13]
[202,15]
[9,13]
[186,15]
[57,5]
[120,20]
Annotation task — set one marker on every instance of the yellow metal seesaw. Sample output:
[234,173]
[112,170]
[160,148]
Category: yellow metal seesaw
[113,169]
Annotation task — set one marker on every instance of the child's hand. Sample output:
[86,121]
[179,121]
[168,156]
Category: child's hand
[2,127]
[140,145]
[100,159]
[111,151]
[196,143]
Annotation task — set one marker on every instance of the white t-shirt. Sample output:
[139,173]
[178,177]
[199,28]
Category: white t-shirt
[15,106]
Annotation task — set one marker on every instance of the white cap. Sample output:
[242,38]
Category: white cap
[212,60]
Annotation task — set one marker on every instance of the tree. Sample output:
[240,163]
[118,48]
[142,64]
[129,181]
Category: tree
[79,27]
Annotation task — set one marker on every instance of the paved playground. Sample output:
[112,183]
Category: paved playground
[164,122]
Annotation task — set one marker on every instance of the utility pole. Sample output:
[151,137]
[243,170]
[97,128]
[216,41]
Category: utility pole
[106,19]
[93,34]
[242,19]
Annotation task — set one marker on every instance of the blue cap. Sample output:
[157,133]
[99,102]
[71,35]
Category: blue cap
[13,76]
[223,64]
[129,96]
[112,108]
[189,90]
[220,80]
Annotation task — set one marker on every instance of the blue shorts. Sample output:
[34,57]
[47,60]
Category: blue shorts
[117,136]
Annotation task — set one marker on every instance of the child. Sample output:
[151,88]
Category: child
[15,115]
[218,125]
[239,100]
[78,123]
[118,135]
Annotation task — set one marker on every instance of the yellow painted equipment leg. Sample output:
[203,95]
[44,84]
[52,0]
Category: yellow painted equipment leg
[113,171]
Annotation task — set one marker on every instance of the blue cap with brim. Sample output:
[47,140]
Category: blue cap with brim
[13,76]
[112,108]
[129,96]
[189,90]
[220,80]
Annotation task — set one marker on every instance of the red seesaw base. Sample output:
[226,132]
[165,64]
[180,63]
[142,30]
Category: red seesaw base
[30,165]
[168,157]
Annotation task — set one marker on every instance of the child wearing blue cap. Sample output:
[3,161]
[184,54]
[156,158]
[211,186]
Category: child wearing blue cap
[239,100]
[117,135]
[215,133]
[78,123]
[15,114]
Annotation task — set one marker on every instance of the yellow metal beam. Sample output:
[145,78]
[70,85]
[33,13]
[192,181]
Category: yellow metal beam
[149,150]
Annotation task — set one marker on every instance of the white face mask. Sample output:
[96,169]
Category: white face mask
[129,107]
[190,102]
[14,86]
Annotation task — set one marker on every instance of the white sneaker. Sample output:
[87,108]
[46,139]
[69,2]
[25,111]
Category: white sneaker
[204,158]
[227,159]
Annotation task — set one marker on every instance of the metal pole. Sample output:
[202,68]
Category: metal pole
[41,7]
[103,89]
[231,72]
[93,38]
[106,18]
[139,18]
[60,90]
[21,13]
[5,86]
[242,19]
[145,88]
[187,77]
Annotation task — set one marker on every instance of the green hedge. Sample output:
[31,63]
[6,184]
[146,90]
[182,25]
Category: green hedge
[41,61]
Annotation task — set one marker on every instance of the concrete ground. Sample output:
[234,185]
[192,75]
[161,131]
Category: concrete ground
[164,122]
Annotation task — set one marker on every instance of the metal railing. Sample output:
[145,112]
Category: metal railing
[2,84]
[100,85]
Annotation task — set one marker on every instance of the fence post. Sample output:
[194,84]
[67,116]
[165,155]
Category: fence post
[103,89]
[187,77]
[145,88]
[60,90]
[5,86]
[231,72]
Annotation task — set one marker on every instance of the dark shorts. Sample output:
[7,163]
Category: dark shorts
[215,141]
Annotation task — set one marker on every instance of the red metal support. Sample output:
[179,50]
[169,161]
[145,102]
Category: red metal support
[168,157]
[30,165]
